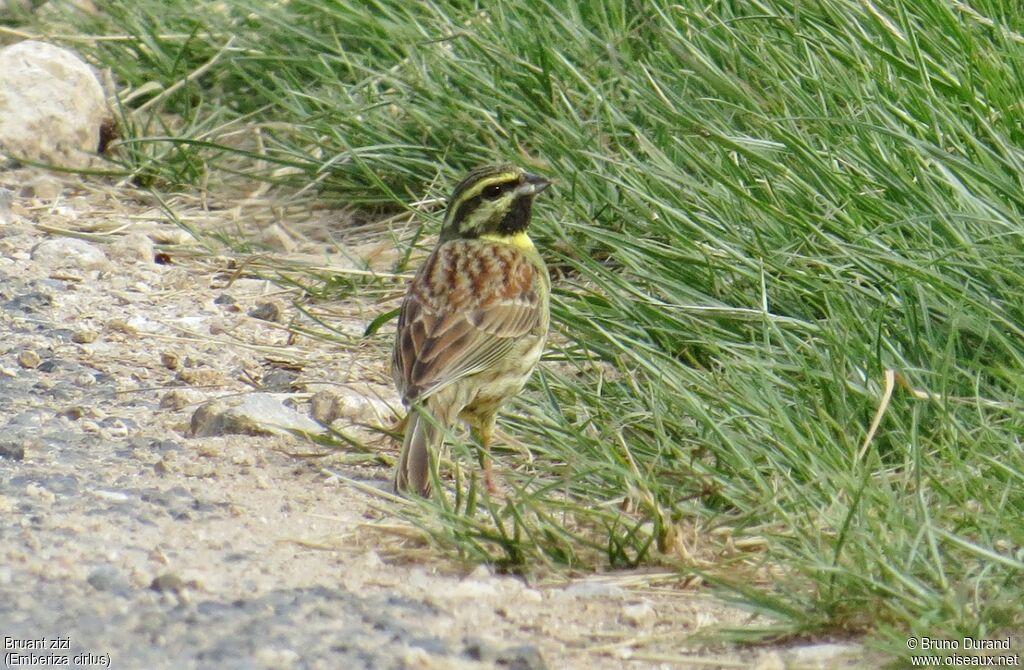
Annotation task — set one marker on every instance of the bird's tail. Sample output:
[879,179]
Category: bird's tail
[412,473]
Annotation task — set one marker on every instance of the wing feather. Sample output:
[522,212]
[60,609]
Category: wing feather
[462,315]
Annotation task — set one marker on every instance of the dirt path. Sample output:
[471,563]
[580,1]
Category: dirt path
[132,542]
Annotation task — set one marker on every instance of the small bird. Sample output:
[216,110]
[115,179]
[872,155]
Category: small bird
[474,320]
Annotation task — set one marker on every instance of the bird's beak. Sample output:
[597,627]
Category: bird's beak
[533,184]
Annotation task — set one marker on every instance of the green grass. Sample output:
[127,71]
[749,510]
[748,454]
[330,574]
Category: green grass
[762,208]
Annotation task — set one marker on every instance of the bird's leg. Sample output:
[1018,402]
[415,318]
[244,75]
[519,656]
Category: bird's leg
[484,432]
[399,425]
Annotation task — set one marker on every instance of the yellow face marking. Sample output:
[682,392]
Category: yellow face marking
[520,240]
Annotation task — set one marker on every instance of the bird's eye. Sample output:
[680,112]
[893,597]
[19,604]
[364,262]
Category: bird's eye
[491,192]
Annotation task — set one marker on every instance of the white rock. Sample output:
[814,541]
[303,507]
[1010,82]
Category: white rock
[51,105]
[134,247]
[62,252]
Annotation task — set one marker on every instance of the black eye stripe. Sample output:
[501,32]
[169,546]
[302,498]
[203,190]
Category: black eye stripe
[493,191]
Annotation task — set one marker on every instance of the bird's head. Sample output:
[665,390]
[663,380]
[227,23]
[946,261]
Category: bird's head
[493,201]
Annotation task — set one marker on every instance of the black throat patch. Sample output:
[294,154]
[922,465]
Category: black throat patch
[518,217]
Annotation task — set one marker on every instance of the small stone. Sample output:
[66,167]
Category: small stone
[170,360]
[134,247]
[166,465]
[114,429]
[29,303]
[63,252]
[29,359]
[121,326]
[480,649]
[14,451]
[324,407]
[360,402]
[208,419]
[176,399]
[203,376]
[521,657]
[84,336]
[267,311]
[84,379]
[72,413]
[279,379]
[252,414]
[168,583]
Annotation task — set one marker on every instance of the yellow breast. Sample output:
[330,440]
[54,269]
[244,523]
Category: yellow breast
[520,240]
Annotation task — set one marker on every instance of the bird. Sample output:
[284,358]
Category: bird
[474,320]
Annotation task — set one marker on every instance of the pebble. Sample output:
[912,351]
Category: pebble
[170,360]
[267,311]
[361,403]
[279,380]
[324,407]
[134,247]
[251,414]
[202,376]
[29,359]
[168,583]
[14,451]
[176,399]
[63,252]
[84,336]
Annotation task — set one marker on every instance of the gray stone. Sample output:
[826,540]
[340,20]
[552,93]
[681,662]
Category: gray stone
[267,311]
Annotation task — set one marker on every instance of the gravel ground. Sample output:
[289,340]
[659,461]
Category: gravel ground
[131,543]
